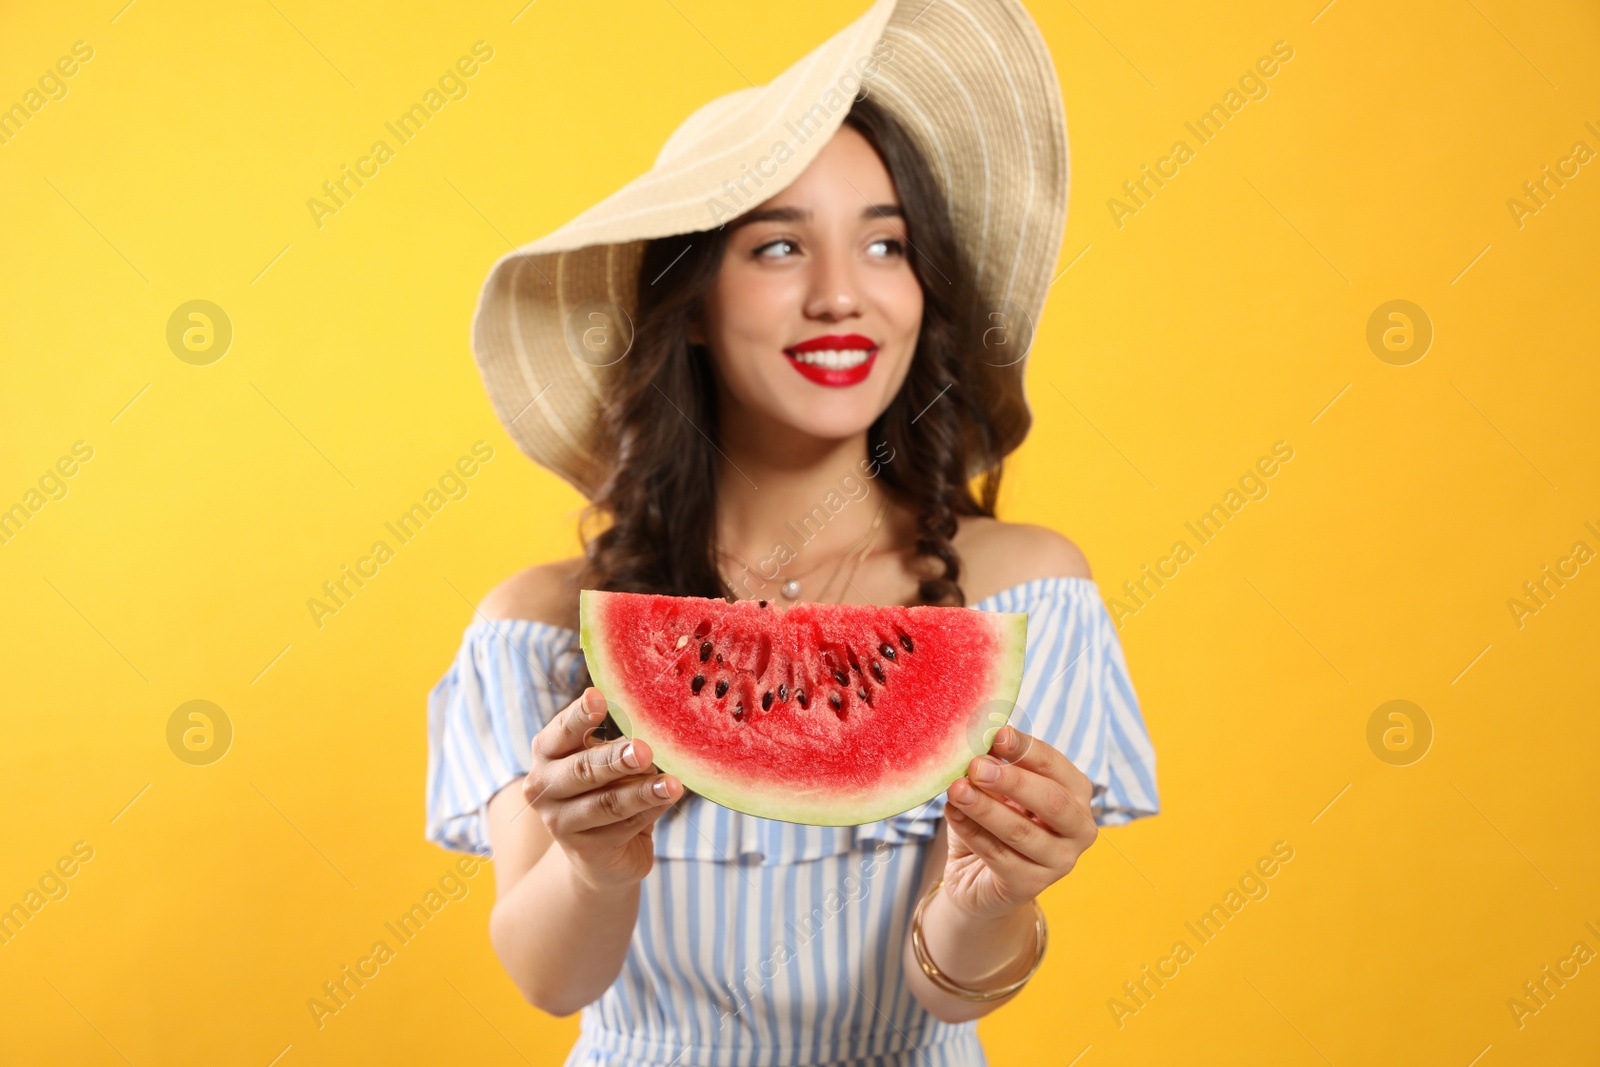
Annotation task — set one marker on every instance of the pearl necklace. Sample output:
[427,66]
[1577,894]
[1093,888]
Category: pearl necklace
[791,588]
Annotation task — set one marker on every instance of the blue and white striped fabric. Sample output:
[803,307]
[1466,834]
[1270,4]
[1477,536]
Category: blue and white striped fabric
[762,943]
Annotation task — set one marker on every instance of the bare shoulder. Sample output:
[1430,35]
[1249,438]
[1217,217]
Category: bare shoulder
[545,593]
[998,555]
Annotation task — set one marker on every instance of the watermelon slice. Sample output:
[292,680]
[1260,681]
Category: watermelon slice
[826,714]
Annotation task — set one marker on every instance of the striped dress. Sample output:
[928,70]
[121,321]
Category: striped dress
[762,943]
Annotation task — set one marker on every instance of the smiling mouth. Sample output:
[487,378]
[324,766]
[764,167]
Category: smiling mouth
[834,361]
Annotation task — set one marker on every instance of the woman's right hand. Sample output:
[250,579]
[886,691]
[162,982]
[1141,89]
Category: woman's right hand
[598,802]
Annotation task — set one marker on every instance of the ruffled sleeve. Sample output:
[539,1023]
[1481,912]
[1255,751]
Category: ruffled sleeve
[1077,696]
[510,677]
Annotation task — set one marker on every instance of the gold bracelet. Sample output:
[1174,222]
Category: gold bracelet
[941,980]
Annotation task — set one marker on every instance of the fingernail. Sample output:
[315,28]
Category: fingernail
[660,788]
[960,791]
[595,703]
[1006,737]
[627,755]
[987,770]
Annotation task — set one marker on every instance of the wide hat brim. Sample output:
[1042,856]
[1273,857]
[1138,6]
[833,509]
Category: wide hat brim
[973,84]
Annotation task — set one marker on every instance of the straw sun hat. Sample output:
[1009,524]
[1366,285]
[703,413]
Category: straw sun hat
[972,83]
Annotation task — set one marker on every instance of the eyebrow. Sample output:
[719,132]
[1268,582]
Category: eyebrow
[803,214]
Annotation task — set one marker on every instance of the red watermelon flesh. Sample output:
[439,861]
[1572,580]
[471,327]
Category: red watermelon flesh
[825,714]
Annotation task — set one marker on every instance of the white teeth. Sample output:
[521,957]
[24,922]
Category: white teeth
[833,359]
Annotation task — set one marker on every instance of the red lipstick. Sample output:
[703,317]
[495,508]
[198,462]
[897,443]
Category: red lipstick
[834,360]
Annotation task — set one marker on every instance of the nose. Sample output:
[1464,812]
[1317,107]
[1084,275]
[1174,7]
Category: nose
[832,294]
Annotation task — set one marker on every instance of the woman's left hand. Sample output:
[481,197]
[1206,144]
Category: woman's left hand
[1012,837]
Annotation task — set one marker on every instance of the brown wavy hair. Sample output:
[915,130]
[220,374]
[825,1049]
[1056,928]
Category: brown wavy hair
[657,505]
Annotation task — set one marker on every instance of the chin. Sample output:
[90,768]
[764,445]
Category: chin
[830,418]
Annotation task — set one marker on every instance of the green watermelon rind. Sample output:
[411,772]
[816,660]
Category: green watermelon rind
[599,666]
[830,808]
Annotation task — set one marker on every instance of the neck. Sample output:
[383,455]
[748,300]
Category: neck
[791,506]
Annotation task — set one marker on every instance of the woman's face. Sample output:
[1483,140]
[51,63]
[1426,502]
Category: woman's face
[813,316]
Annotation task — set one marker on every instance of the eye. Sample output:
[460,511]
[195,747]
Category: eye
[760,250]
[895,245]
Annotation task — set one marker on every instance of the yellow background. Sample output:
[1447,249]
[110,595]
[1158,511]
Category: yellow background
[1224,316]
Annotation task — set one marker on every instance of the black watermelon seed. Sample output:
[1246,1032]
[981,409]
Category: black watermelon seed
[862,693]
[698,683]
[719,657]
[761,603]
[705,651]
[738,711]
[888,650]
[905,642]
[841,677]
[835,701]
[805,701]
[722,687]
[877,671]
[766,700]
[783,692]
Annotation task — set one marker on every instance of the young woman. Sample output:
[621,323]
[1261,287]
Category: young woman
[827,344]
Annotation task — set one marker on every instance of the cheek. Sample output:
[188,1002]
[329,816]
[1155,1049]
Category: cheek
[761,313]
[897,298]
[899,304]
[750,316]
[746,299]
